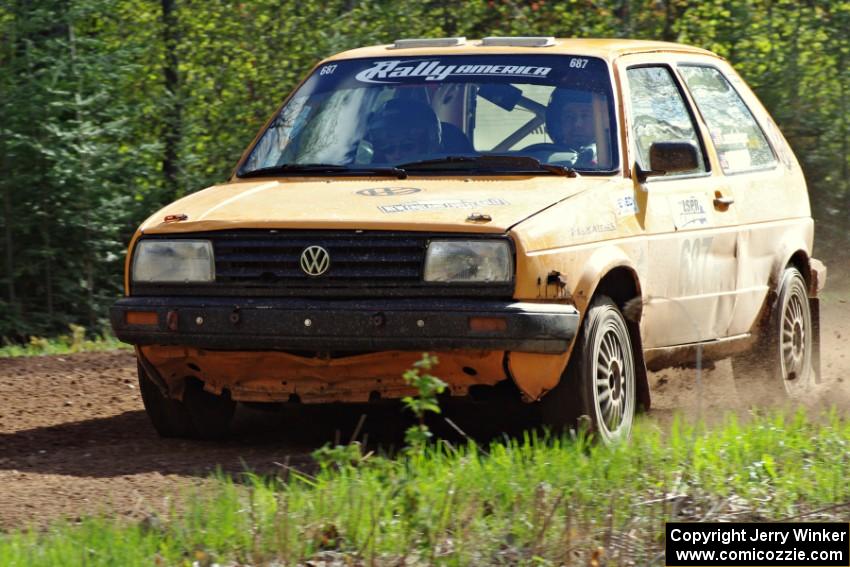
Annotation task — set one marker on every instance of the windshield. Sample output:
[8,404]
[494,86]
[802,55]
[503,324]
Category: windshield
[425,112]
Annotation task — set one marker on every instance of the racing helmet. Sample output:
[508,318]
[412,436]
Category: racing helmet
[562,96]
[401,121]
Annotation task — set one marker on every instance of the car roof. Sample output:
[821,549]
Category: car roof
[605,48]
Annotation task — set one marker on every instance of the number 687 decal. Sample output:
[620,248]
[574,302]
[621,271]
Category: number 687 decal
[578,63]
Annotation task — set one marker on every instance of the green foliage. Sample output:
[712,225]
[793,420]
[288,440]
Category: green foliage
[77,341]
[94,137]
[427,388]
[66,208]
[340,456]
[529,501]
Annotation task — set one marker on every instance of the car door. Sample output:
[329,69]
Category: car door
[760,169]
[690,274]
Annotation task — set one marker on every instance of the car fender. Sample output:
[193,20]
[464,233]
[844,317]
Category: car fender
[791,253]
[536,374]
[599,264]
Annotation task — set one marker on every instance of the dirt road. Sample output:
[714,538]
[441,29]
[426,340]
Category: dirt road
[74,439]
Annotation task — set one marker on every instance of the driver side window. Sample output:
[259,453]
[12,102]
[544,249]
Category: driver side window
[659,114]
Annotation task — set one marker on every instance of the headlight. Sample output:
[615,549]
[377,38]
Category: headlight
[469,261]
[173,261]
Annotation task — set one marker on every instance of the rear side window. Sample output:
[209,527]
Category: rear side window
[659,113]
[741,145]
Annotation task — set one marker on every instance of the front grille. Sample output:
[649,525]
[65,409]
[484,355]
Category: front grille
[267,263]
[274,259]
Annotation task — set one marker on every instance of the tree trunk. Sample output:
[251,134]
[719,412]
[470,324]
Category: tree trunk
[86,212]
[669,19]
[624,14]
[90,285]
[10,248]
[173,110]
[48,272]
[845,131]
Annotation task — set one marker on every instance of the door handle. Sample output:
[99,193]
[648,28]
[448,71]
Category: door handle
[722,202]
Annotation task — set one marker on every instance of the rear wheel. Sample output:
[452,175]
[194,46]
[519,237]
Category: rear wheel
[200,415]
[780,365]
[600,380]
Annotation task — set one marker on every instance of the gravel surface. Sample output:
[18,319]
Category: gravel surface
[74,438]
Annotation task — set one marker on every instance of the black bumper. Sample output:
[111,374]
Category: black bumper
[351,325]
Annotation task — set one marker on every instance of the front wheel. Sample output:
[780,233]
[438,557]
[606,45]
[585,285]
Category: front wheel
[600,380]
[780,365]
[200,415]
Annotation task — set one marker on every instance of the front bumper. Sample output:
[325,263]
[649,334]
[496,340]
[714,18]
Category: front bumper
[347,325]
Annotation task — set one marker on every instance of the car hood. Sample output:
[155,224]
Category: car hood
[439,204]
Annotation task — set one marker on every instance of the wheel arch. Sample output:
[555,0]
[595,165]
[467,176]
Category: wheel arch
[794,258]
[619,280]
[800,260]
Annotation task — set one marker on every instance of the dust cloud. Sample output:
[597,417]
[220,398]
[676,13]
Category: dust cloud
[713,394]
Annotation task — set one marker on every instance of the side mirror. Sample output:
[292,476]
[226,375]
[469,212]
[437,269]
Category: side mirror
[669,157]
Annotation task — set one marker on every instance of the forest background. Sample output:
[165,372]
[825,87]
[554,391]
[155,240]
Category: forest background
[109,109]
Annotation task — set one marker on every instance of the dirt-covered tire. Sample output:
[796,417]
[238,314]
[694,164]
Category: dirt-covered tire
[169,417]
[201,415]
[211,414]
[780,365]
[600,380]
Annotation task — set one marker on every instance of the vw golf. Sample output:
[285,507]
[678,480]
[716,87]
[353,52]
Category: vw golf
[552,217]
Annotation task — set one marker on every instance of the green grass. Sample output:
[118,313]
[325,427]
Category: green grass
[75,341]
[530,502]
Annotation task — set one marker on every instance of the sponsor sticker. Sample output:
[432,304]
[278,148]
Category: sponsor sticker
[388,191]
[581,231]
[734,139]
[625,205]
[435,70]
[690,212]
[736,160]
[441,205]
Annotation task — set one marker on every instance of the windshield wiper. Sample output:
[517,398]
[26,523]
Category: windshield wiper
[492,161]
[297,168]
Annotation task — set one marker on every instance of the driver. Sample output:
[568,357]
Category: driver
[570,124]
[404,130]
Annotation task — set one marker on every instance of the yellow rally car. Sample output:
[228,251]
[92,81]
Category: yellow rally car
[552,215]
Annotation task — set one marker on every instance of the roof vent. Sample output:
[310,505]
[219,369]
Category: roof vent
[518,42]
[428,42]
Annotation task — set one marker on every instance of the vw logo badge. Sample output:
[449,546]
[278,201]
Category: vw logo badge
[388,191]
[315,260]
